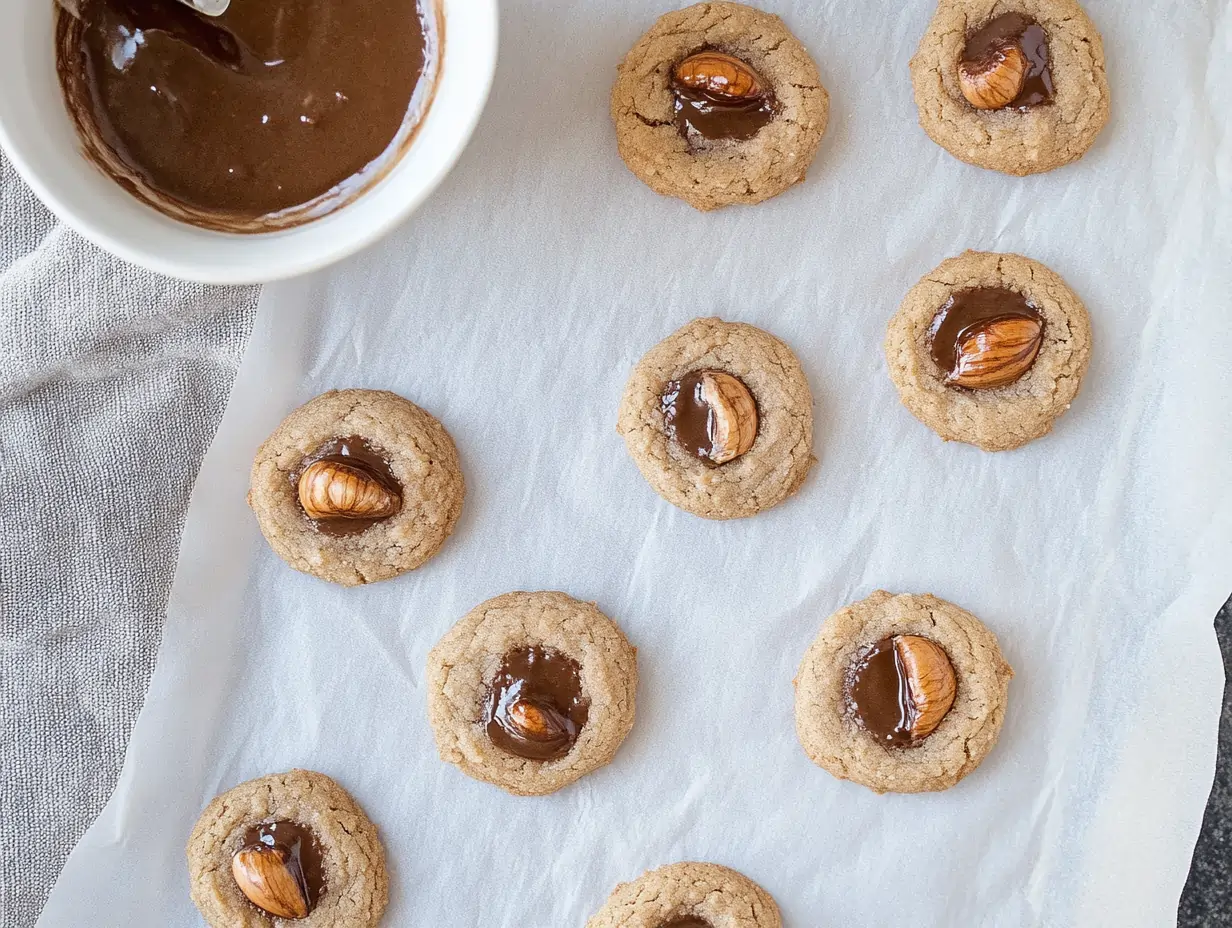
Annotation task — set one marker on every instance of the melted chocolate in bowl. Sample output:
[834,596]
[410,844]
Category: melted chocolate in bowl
[268,116]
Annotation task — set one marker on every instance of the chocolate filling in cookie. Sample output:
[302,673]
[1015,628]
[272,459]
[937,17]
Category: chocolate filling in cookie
[1005,64]
[985,337]
[687,921]
[719,97]
[535,707]
[711,414]
[278,869]
[900,689]
[346,486]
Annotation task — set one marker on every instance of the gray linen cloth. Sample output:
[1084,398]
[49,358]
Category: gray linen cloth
[112,382]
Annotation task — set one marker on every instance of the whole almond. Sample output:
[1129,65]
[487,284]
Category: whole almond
[996,81]
[269,879]
[337,490]
[996,352]
[719,74]
[733,415]
[931,684]
[537,723]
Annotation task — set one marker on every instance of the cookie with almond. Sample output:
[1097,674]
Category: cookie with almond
[989,349]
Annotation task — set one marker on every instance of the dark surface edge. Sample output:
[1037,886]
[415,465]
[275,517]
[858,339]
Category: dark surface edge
[1207,898]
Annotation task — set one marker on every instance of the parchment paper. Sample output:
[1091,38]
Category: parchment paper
[513,307]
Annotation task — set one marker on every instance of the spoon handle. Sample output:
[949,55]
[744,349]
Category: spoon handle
[208,7]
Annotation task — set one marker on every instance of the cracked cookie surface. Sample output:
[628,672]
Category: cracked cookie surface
[464,663]
[718,174]
[1044,137]
[712,894]
[356,884]
[782,452]
[1009,416]
[421,457]
[836,742]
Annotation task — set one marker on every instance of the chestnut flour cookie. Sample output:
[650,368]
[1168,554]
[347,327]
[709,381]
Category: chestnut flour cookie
[1013,85]
[689,895]
[357,486]
[901,694]
[989,349]
[291,846]
[531,691]
[718,104]
[718,418]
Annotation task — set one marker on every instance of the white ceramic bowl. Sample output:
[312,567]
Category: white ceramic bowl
[39,139]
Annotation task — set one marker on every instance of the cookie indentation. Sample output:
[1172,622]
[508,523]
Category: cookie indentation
[279,869]
[535,707]
[901,689]
[345,486]
[711,414]
[1005,63]
[985,337]
[719,97]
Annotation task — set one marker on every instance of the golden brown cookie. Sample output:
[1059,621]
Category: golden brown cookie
[719,103]
[688,895]
[718,418]
[287,848]
[989,349]
[357,486]
[1017,86]
[901,694]
[531,691]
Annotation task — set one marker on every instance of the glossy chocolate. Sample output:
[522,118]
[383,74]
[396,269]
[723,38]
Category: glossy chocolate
[357,452]
[900,689]
[1015,29]
[687,417]
[713,115]
[534,706]
[227,120]
[691,422]
[298,847]
[702,114]
[877,693]
[966,309]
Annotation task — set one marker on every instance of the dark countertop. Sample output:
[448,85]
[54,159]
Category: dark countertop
[1207,900]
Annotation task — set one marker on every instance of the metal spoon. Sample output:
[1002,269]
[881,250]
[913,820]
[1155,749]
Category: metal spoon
[208,7]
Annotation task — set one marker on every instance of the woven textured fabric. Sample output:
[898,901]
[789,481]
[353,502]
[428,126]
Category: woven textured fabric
[112,382]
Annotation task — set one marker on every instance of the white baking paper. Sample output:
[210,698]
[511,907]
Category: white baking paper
[514,305]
